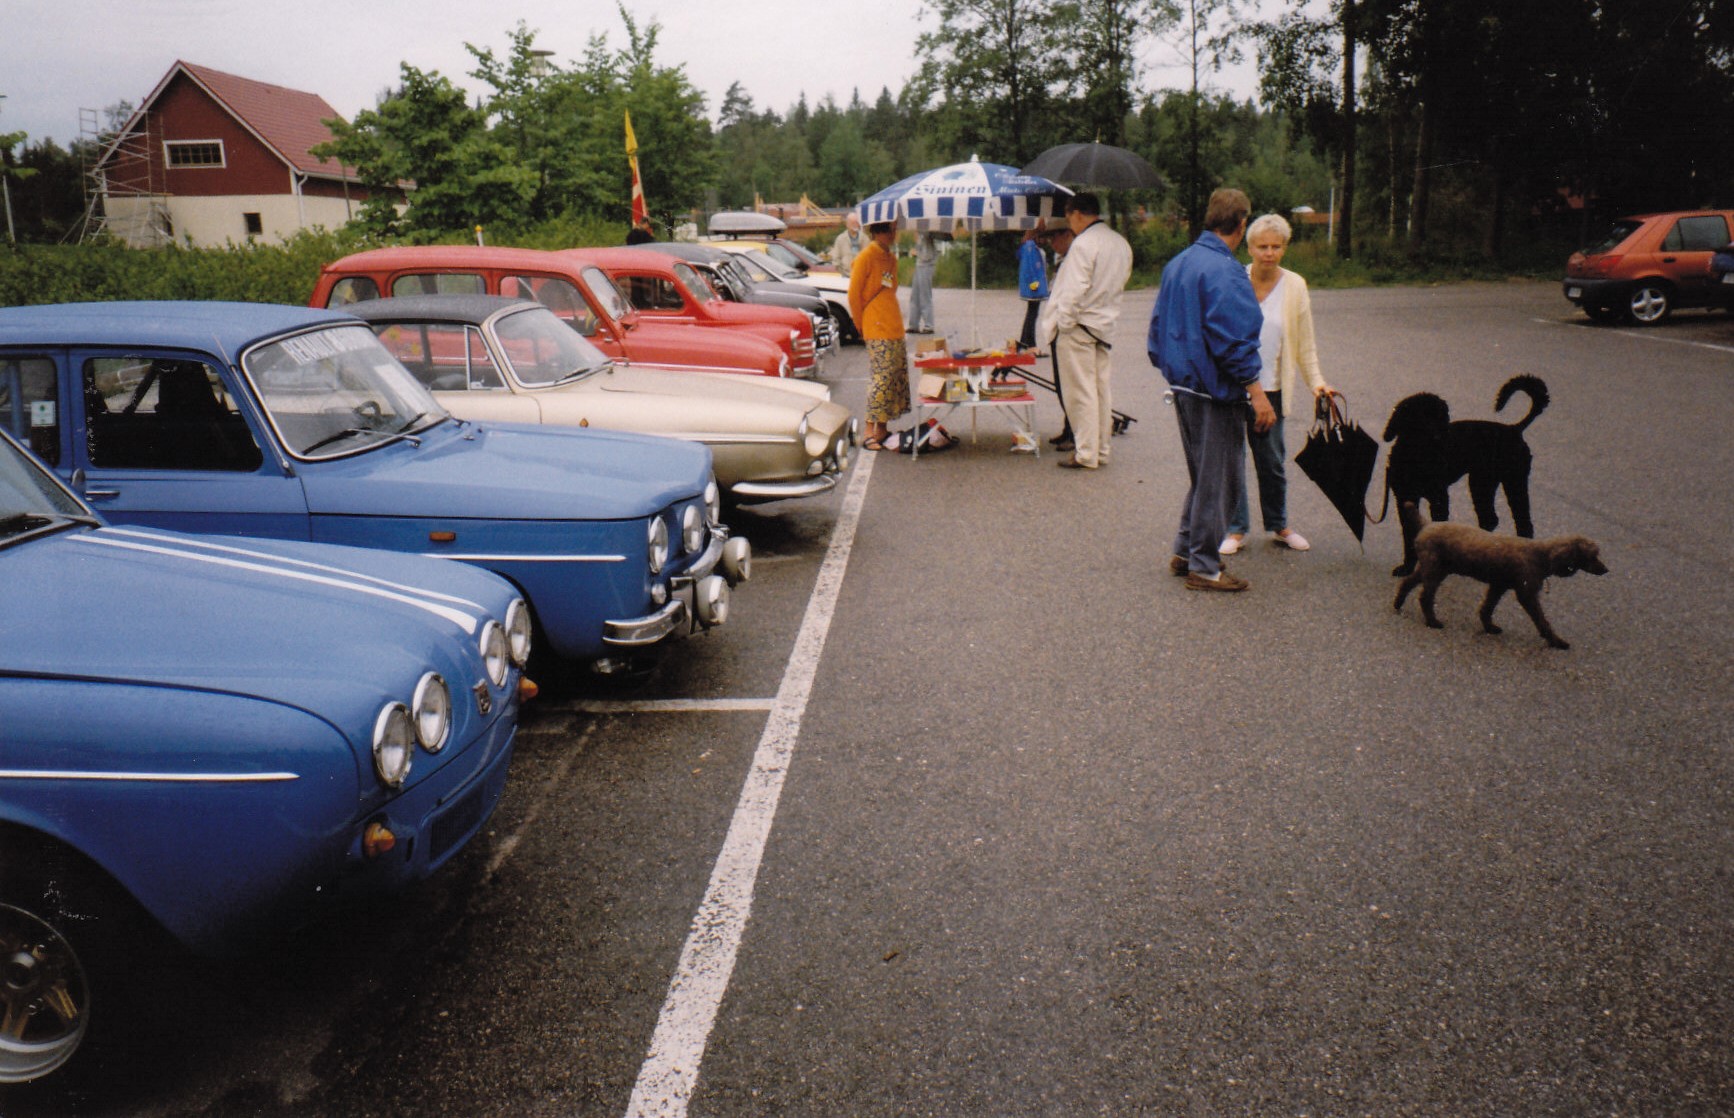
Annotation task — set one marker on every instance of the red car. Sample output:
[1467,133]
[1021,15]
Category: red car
[664,289]
[1650,264]
[579,292]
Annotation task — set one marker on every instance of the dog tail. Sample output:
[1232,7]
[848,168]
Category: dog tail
[1530,386]
[1409,513]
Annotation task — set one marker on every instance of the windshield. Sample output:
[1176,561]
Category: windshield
[543,351]
[30,499]
[614,304]
[694,283]
[338,391]
[764,268]
[802,253]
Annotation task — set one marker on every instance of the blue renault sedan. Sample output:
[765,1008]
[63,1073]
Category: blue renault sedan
[291,423]
[212,737]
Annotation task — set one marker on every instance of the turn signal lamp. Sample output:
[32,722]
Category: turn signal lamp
[442,537]
[377,839]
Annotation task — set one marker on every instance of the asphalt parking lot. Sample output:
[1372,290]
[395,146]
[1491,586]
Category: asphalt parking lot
[971,809]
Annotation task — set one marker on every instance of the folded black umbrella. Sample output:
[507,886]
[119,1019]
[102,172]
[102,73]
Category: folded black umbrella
[1099,165]
[1340,458]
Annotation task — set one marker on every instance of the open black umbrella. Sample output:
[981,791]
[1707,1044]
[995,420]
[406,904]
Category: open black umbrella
[1340,458]
[1096,164]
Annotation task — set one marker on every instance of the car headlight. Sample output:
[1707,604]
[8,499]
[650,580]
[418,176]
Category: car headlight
[712,502]
[691,530]
[518,632]
[493,646]
[657,551]
[393,744]
[431,711]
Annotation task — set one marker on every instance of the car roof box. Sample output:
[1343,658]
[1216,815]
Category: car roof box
[742,222]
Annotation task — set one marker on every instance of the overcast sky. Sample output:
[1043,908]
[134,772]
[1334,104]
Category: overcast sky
[60,56]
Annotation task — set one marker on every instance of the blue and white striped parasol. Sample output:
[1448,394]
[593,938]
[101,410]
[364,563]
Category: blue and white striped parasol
[972,197]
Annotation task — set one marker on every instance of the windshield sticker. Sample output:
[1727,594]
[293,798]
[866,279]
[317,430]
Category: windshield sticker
[323,345]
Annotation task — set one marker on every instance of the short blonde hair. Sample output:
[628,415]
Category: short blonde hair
[1270,223]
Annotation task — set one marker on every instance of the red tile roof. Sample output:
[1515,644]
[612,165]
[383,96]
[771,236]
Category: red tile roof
[286,120]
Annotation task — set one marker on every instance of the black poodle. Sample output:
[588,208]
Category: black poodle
[1430,452]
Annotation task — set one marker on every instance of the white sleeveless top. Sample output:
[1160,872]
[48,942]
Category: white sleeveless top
[1270,337]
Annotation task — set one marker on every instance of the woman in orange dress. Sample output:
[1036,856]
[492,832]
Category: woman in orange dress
[873,302]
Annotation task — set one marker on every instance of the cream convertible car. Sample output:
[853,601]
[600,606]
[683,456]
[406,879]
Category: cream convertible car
[491,358]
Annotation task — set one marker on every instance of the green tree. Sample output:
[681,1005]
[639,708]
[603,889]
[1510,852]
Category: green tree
[1104,41]
[998,66]
[425,137]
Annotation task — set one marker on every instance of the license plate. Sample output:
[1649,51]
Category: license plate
[1573,292]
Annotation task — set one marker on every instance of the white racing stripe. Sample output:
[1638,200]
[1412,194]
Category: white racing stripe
[176,548]
[670,1070]
[212,545]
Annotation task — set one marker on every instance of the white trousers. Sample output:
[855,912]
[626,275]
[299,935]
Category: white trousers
[1086,373]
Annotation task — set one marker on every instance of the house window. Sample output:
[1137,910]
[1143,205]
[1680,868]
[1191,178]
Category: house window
[255,224]
[194,153]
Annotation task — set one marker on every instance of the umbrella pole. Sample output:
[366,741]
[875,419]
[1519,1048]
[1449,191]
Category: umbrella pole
[974,328]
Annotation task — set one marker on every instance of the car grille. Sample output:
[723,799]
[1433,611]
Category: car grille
[456,822]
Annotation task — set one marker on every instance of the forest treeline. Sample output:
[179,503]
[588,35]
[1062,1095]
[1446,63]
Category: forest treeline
[1447,129]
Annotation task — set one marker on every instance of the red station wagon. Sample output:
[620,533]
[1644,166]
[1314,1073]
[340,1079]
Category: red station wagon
[580,293]
[664,289]
[1650,264]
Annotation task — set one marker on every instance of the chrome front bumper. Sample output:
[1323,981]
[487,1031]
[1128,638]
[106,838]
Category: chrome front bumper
[693,597]
[749,491]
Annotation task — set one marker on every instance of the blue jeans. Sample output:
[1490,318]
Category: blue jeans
[1213,435]
[1268,456]
[921,298]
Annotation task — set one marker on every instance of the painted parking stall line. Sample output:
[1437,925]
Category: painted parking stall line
[670,1070]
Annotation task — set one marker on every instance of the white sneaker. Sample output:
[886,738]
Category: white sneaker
[1294,541]
[1229,545]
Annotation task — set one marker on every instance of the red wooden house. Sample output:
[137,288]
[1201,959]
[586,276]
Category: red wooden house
[212,158]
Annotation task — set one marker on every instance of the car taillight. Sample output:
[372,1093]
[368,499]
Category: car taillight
[1601,265]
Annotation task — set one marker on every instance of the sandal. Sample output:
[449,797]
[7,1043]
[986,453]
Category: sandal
[871,443]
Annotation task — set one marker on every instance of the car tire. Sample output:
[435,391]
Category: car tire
[1649,303]
[66,933]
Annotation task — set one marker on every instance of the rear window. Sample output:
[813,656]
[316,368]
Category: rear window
[352,289]
[1616,237]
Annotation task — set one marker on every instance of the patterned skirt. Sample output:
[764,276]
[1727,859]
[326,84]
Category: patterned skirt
[888,385]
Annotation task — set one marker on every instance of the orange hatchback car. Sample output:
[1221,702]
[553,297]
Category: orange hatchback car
[1650,264]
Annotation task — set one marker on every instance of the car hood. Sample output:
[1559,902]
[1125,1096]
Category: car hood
[314,627]
[746,351]
[761,314]
[503,471]
[706,407]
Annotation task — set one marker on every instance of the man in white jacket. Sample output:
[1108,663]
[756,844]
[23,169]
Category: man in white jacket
[1078,322]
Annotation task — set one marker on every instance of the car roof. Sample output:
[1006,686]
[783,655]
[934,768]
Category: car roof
[473,309]
[466,256]
[703,254]
[233,326]
[634,257]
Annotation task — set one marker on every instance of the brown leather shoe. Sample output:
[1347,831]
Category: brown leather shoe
[1070,462]
[1227,583]
[1177,566]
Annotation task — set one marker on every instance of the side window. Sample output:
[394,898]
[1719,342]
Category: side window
[439,283]
[1699,234]
[352,289]
[163,413]
[445,356]
[30,403]
[560,296]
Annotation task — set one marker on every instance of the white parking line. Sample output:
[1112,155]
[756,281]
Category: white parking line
[1643,336]
[670,1070]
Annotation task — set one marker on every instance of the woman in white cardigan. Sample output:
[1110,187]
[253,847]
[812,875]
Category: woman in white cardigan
[1285,345]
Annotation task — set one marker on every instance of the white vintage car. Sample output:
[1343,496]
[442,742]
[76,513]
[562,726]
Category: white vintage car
[486,357]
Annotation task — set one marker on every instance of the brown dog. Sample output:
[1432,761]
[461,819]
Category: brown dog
[1502,562]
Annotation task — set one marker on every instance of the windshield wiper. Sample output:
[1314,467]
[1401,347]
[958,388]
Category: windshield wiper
[581,373]
[346,433]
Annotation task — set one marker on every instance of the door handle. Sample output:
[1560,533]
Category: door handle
[99,494]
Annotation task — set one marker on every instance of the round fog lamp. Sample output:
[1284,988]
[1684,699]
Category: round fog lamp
[393,744]
[493,646]
[431,711]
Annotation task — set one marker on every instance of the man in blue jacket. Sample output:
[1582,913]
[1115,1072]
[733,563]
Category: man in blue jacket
[1204,339]
[1032,284]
